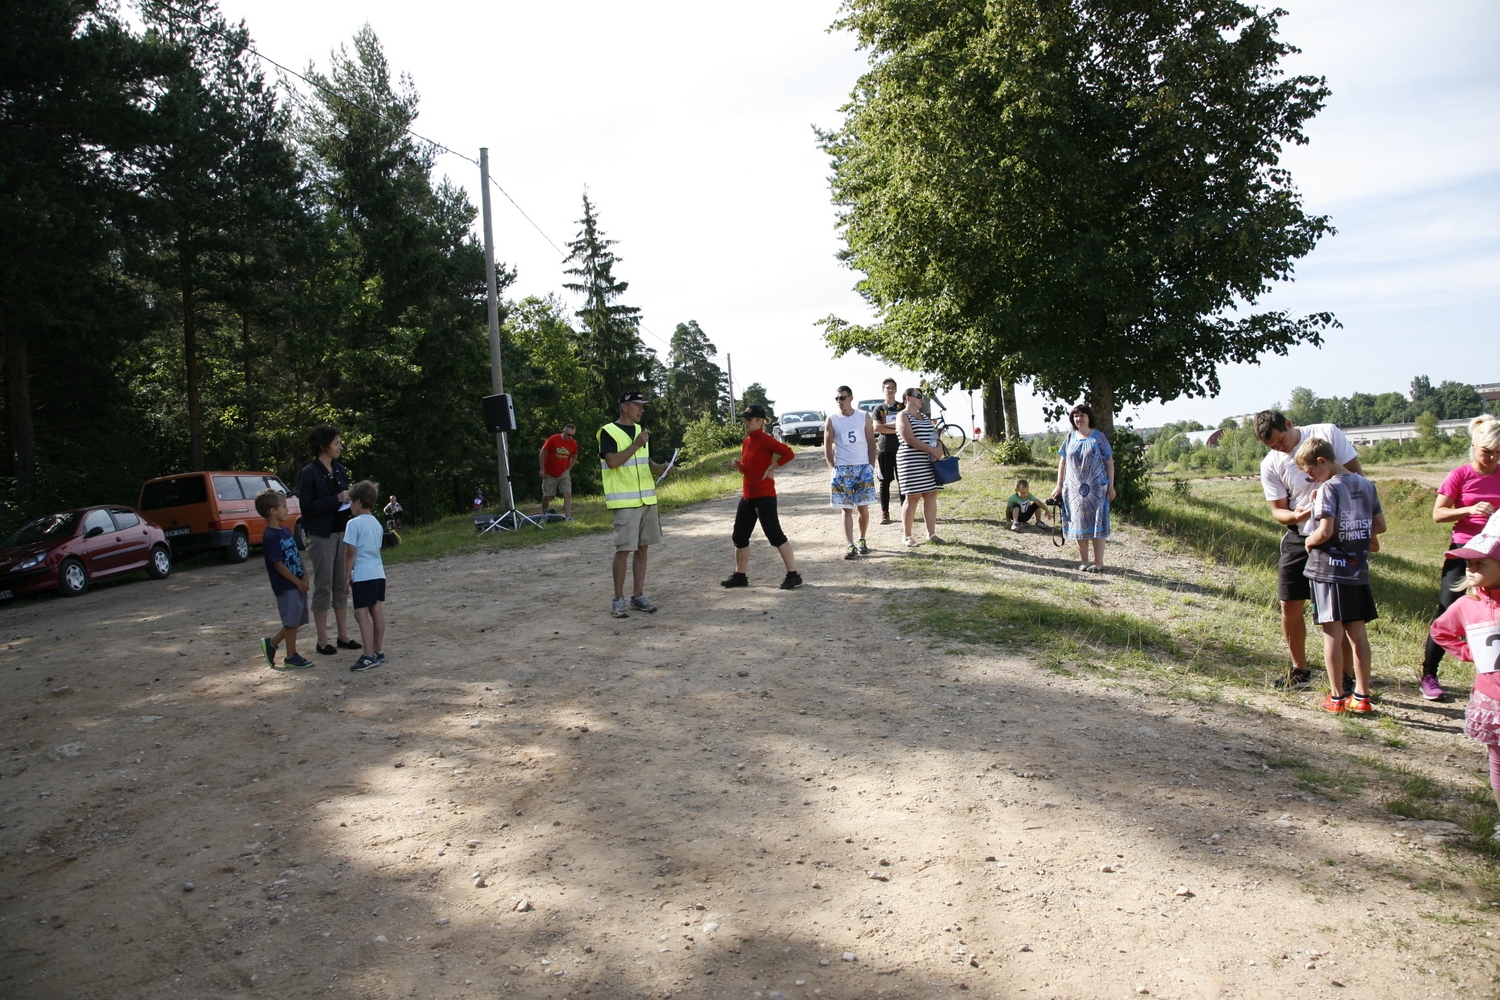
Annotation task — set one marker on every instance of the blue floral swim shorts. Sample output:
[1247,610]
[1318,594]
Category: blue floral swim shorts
[853,486]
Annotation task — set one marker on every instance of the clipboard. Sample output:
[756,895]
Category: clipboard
[671,464]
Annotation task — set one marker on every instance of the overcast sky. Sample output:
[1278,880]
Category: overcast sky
[691,125]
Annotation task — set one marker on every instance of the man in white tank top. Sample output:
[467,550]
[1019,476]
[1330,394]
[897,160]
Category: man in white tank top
[849,449]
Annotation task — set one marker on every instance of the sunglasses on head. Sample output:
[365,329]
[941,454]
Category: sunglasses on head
[913,395]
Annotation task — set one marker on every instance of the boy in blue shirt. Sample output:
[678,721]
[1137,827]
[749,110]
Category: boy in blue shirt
[288,582]
[365,572]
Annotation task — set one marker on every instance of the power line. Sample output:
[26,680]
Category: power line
[407,129]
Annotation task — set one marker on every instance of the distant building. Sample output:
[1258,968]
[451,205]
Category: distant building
[1488,391]
[1359,436]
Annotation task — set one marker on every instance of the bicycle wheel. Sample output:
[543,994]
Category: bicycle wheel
[953,438]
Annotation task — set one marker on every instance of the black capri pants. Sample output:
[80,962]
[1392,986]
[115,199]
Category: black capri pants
[762,509]
[1453,573]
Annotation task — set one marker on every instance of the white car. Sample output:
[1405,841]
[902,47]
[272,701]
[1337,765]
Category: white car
[800,427]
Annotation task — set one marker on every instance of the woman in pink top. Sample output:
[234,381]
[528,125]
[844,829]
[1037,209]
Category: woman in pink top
[1470,630]
[1467,498]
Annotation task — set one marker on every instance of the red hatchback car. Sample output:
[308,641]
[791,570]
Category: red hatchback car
[65,551]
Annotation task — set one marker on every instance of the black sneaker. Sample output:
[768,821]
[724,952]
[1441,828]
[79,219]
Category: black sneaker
[364,663]
[1348,685]
[1295,680]
[268,650]
[735,580]
[297,661]
[792,582]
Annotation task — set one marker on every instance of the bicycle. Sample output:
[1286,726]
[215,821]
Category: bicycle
[952,437]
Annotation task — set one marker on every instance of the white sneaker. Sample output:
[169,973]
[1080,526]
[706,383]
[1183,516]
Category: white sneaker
[1015,526]
[618,608]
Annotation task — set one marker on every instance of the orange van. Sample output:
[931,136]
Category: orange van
[215,510]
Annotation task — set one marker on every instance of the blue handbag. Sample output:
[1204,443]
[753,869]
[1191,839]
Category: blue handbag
[946,470]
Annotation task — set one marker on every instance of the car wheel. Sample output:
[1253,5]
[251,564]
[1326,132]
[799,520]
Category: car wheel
[299,533]
[239,547]
[72,578]
[160,565]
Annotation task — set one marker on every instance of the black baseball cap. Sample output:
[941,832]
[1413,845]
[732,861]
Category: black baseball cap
[754,410]
[633,397]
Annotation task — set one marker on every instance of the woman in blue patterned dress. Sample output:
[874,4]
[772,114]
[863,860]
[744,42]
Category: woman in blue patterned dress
[1086,482]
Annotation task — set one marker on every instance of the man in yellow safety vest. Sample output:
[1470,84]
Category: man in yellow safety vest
[630,491]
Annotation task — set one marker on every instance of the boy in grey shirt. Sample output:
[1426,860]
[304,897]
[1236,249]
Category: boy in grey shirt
[1345,516]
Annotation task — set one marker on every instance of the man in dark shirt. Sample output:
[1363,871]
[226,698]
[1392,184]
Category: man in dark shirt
[886,444]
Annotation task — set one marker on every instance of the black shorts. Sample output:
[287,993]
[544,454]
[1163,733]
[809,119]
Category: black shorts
[762,509]
[1025,512]
[367,593]
[1342,602]
[1291,585]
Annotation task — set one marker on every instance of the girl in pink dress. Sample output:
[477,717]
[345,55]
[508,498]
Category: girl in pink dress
[1470,630]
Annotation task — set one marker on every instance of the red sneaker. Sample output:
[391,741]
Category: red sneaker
[1360,703]
[1335,705]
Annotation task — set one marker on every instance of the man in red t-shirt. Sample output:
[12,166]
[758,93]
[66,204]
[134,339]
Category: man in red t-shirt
[758,499]
[556,460]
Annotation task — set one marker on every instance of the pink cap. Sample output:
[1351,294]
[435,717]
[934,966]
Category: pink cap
[1485,545]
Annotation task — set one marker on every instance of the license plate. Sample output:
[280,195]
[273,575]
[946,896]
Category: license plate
[4,595]
[178,531]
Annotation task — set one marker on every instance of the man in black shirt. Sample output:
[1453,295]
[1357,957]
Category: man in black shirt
[886,444]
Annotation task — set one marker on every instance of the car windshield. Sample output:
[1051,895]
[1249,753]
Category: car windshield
[801,417]
[44,529]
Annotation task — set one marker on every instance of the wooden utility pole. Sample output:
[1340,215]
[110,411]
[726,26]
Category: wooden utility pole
[497,377]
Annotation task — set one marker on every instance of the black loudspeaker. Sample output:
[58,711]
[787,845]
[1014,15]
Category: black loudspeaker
[499,413]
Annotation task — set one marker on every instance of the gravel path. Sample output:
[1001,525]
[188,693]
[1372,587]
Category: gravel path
[752,793]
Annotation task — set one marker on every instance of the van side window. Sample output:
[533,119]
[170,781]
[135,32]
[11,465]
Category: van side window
[97,519]
[227,488]
[278,485]
[252,485]
[179,491]
[124,519]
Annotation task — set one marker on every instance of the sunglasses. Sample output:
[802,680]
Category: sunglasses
[840,399]
[913,395]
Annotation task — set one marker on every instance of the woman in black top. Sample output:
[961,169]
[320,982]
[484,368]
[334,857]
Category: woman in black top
[323,490]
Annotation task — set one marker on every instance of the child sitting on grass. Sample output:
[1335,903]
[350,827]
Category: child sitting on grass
[288,581]
[1346,511]
[365,572]
[1470,630]
[1022,506]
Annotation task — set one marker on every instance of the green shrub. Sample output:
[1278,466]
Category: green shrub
[1132,471]
[706,435]
[1014,452]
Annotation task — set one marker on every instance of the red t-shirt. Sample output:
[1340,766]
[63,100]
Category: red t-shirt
[755,458]
[560,452]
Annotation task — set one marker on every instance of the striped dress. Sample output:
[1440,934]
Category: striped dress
[913,467]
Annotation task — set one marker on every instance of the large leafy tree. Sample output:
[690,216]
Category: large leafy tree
[400,327]
[77,108]
[1081,193]
[609,343]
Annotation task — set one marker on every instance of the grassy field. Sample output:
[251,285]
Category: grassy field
[704,479]
[1191,588]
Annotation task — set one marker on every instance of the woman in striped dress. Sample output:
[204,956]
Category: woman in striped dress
[919,448]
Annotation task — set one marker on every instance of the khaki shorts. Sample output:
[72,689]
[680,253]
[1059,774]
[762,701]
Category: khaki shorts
[553,485]
[637,527]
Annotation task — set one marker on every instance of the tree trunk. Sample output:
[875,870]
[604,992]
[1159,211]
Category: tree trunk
[252,455]
[18,396]
[994,411]
[1012,421]
[1101,397]
[190,368]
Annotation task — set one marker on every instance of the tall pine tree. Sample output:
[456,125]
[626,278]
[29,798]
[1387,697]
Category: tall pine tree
[609,343]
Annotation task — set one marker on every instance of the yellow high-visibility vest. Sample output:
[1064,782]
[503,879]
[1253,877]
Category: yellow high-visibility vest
[630,485]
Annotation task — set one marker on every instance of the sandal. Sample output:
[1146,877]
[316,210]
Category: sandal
[909,542]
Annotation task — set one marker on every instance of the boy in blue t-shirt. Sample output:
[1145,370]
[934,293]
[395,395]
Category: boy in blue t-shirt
[365,572]
[1346,513]
[288,582]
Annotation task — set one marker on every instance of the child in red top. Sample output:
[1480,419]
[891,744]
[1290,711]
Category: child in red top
[757,465]
[1470,630]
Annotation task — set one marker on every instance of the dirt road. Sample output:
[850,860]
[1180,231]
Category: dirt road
[752,793]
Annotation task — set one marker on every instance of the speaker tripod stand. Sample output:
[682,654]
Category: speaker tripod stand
[500,417]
